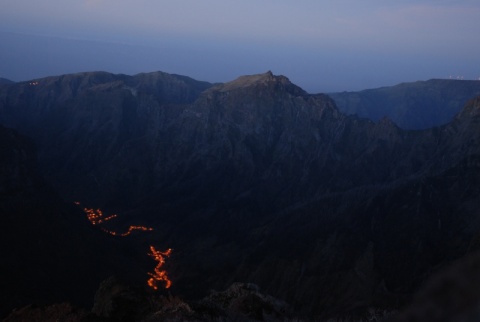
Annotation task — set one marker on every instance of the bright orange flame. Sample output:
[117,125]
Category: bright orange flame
[159,275]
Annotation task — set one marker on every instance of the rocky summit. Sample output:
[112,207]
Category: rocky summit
[256,180]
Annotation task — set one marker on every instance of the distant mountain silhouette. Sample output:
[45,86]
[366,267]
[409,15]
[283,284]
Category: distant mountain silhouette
[256,180]
[5,81]
[417,105]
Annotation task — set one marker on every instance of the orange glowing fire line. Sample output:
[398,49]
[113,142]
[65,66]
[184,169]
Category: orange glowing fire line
[159,275]
[129,231]
[96,217]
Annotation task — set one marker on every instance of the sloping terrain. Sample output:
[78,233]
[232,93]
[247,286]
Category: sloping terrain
[256,180]
[50,253]
[417,105]
[5,81]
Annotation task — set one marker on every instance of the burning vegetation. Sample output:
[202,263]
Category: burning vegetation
[97,217]
[129,231]
[159,275]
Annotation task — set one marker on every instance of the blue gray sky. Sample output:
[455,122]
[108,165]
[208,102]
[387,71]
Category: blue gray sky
[322,46]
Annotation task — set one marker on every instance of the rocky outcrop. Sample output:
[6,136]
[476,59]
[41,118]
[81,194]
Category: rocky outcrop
[119,302]
[115,301]
[244,301]
[51,313]
[240,302]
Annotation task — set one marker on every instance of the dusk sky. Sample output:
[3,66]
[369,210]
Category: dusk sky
[322,46]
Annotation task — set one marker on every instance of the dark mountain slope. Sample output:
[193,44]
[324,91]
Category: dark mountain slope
[113,140]
[256,180]
[5,81]
[369,249]
[417,105]
[84,121]
[374,246]
[49,251]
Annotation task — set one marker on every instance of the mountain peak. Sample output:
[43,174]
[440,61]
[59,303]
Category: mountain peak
[249,80]
[267,79]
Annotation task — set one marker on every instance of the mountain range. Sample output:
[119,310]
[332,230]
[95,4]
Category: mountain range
[413,106]
[254,180]
[5,81]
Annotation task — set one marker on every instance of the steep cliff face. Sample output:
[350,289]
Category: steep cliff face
[85,122]
[115,136]
[253,131]
[256,180]
[262,132]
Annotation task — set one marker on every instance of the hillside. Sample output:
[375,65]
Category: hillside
[256,180]
[5,81]
[417,105]
[50,253]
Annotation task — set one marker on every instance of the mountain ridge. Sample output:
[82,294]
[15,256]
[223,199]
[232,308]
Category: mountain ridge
[248,176]
[412,105]
[5,81]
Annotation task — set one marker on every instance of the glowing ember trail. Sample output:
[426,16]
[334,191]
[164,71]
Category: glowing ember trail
[159,275]
[129,231]
[97,217]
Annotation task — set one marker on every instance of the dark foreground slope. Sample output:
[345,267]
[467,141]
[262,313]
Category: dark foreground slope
[257,181]
[418,105]
[49,253]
